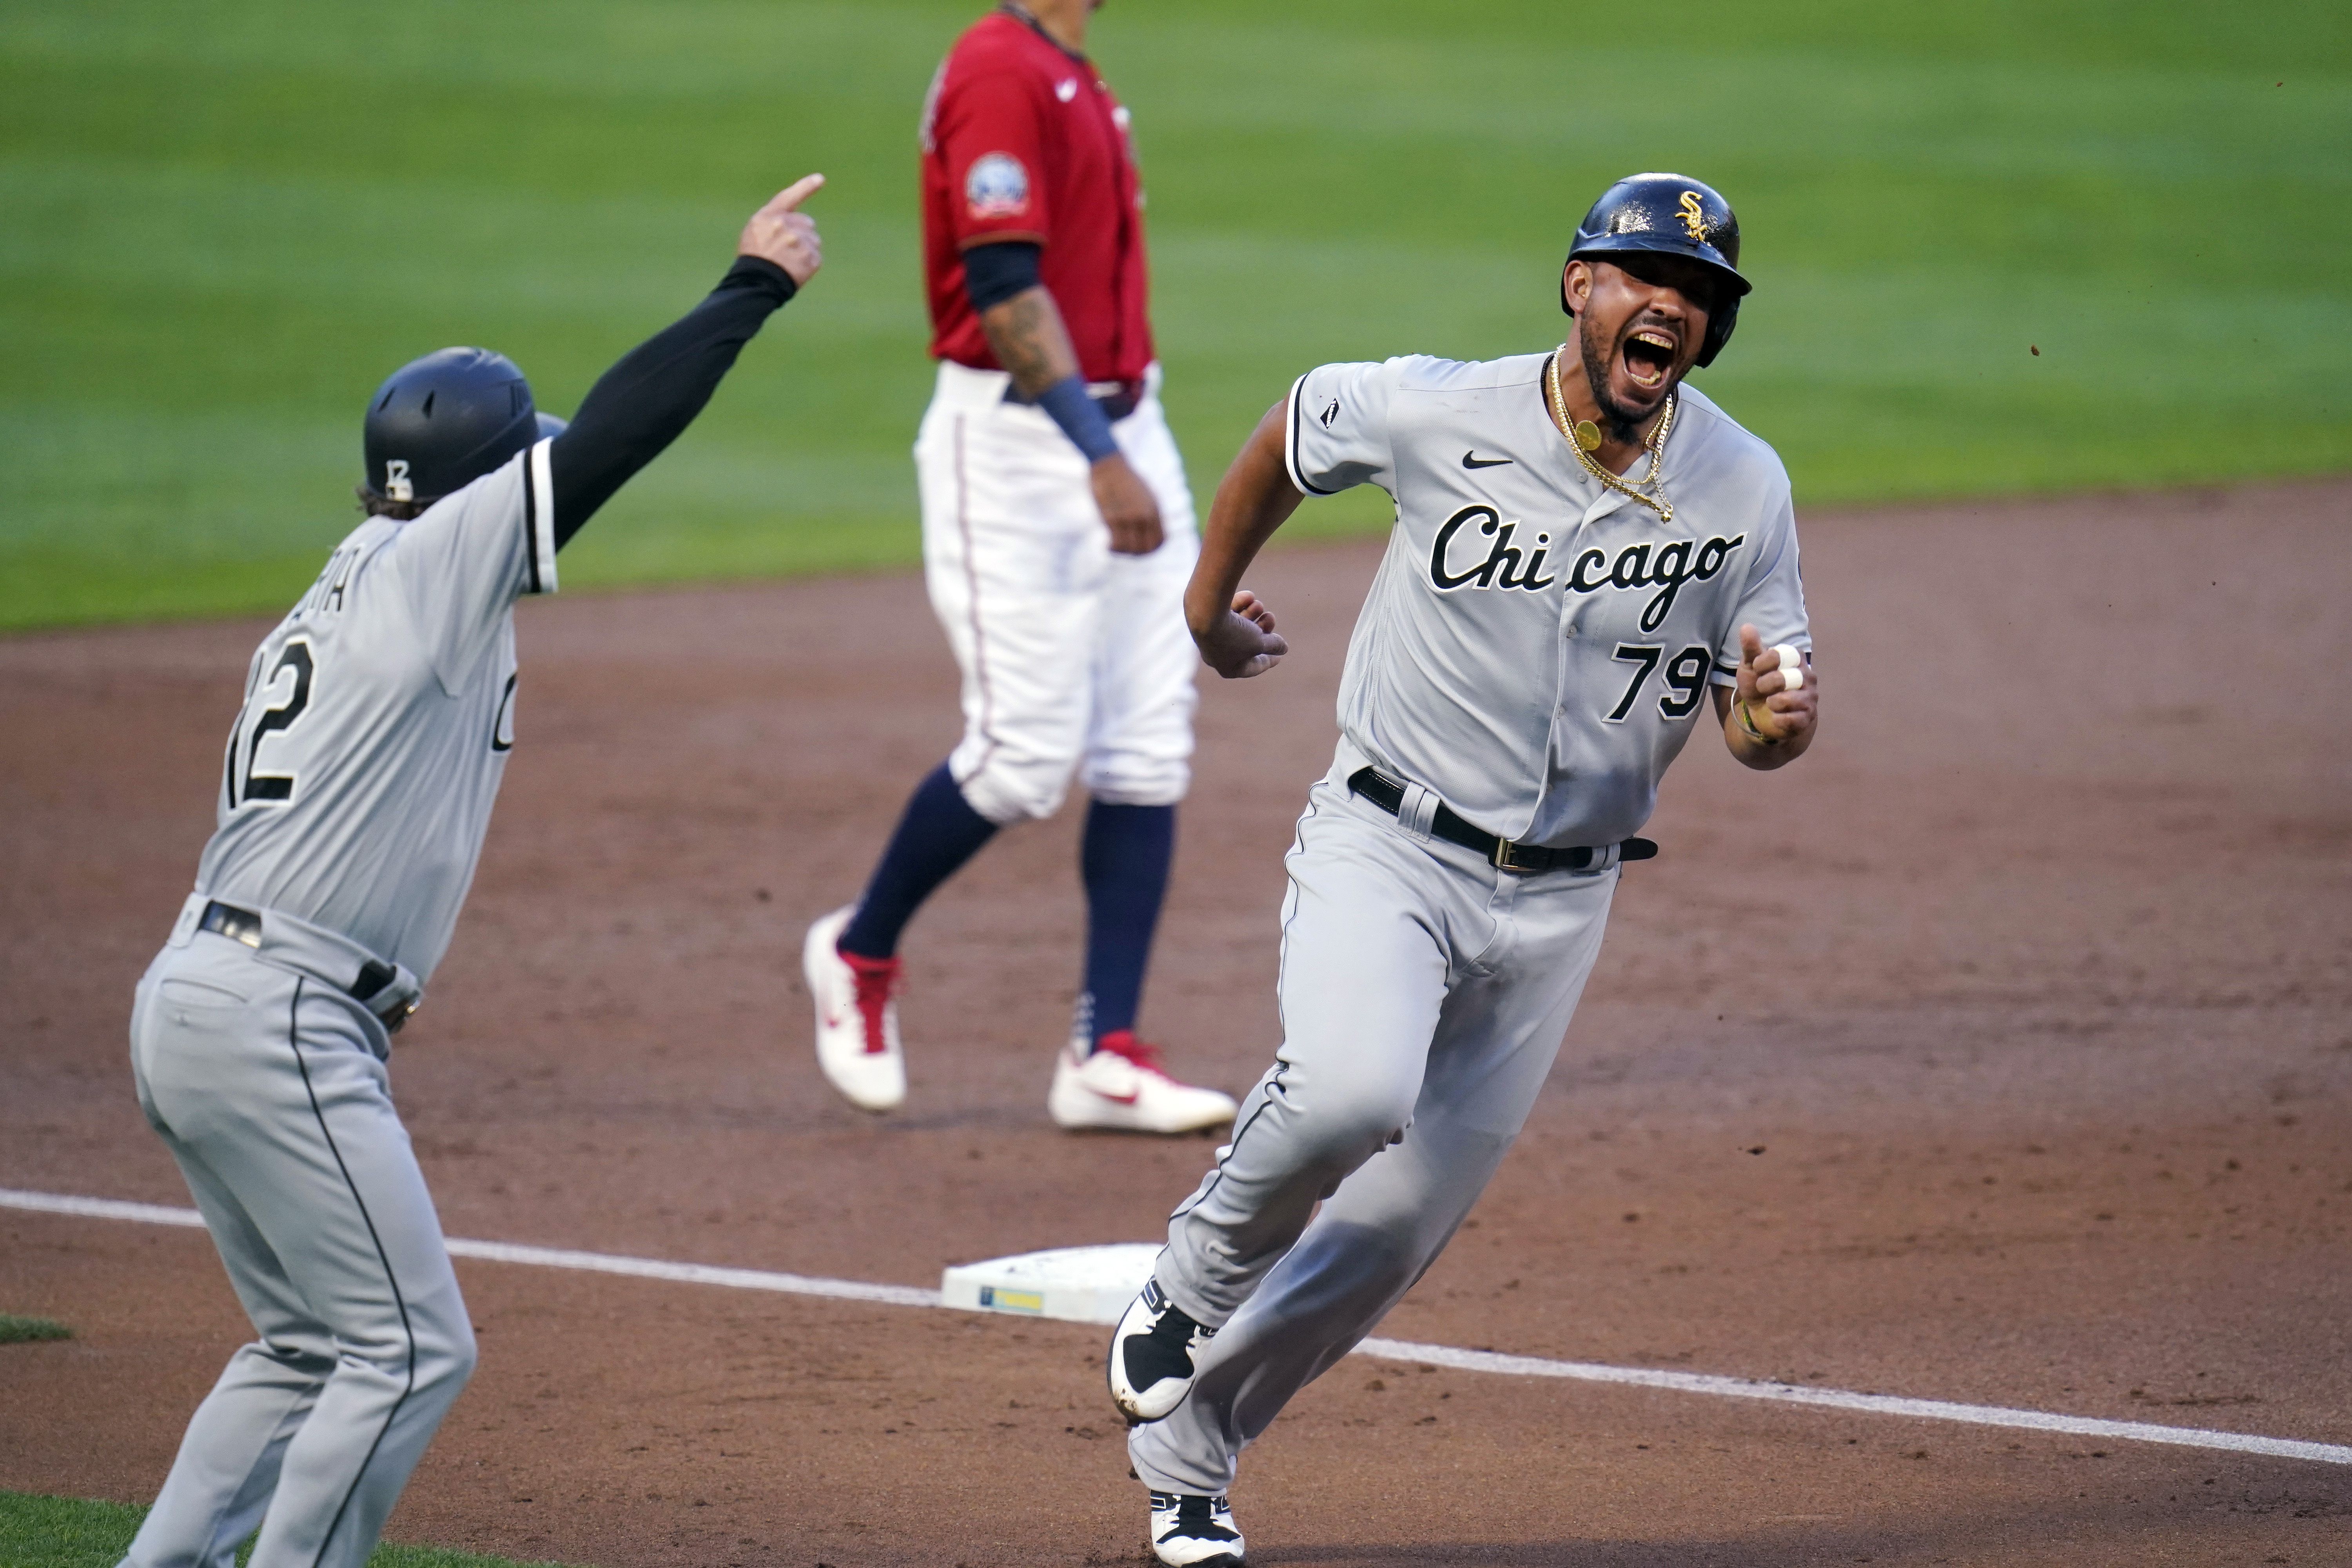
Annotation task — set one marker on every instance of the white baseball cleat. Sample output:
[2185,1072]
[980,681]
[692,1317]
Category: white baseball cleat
[1123,1088]
[1193,1531]
[857,1019]
[1150,1365]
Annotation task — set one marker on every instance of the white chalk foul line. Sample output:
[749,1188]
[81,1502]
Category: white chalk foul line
[696,1273]
[1839,1399]
[1383,1350]
[538,1257]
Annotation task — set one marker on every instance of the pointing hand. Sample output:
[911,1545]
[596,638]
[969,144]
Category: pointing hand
[779,232]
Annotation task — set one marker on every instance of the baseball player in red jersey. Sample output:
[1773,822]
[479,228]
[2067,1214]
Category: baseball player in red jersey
[1057,539]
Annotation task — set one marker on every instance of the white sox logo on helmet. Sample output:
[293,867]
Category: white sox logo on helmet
[1694,214]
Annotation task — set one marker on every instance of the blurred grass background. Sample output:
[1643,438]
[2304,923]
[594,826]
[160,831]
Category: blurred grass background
[72,1532]
[227,220]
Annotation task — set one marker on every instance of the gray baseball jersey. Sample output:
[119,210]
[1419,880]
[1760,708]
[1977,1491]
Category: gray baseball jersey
[1536,646]
[358,787]
[1535,650]
[361,772]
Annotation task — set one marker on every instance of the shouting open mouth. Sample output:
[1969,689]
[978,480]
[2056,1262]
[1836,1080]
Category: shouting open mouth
[1649,354]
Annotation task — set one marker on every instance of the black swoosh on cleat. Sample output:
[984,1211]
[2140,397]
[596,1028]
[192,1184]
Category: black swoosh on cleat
[1471,459]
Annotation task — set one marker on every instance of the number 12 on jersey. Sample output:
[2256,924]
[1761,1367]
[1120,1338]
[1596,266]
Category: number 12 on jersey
[1686,677]
[254,725]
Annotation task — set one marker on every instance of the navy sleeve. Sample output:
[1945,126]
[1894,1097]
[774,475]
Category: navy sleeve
[995,273]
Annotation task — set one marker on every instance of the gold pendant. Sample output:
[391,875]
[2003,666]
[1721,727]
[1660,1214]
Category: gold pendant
[1588,434]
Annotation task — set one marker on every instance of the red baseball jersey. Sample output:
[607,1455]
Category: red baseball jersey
[1022,140]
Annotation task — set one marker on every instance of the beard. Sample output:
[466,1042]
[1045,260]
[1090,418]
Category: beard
[1623,423]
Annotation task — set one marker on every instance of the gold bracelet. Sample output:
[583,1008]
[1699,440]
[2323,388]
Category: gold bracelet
[1748,725]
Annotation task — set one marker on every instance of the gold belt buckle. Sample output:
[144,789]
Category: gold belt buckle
[1504,850]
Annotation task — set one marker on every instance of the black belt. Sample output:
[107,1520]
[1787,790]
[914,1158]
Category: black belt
[1116,399]
[1503,854]
[244,926]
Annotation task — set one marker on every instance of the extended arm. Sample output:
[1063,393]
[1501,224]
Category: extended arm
[1024,330]
[643,404]
[1766,724]
[1234,631]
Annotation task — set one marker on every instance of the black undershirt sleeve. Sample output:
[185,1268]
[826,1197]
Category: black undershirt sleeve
[994,273]
[643,404]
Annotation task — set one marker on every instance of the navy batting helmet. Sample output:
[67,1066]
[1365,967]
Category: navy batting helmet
[439,423]
[1670,215]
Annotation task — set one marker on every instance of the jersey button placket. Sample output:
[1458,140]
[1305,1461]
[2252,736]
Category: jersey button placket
[1558,694]
[1571,604]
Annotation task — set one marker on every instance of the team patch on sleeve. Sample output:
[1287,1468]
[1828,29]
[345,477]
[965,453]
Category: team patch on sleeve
[996,186]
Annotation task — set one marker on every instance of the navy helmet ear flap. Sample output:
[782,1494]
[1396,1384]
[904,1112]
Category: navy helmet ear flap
[1721,318]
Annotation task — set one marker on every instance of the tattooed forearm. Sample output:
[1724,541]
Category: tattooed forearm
[1029,340]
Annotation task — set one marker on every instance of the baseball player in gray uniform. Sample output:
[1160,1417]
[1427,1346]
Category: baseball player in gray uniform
[1588,554]
[357,787]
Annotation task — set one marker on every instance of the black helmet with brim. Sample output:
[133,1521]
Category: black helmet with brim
[1670,215]
[439,423]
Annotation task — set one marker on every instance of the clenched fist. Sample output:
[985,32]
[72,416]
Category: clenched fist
[1771,716]
[1241,642]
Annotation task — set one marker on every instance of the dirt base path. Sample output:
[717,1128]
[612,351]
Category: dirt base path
[2031,985]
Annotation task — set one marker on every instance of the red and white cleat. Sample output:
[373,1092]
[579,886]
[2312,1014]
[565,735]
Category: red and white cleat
[857,1019]
[1122,1086]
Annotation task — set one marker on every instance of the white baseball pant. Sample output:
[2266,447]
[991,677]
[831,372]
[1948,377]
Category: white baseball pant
[1425,994]
[1075,659]
[268,1089]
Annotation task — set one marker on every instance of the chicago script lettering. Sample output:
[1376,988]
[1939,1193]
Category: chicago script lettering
[1665,567]
[1505,565]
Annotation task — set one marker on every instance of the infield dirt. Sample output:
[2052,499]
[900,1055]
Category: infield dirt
[1999,1052]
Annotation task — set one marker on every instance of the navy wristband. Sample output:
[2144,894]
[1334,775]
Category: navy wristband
[1080,417]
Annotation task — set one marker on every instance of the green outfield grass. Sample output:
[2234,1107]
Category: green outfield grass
[16,1330]
[227,219]
[69,1532]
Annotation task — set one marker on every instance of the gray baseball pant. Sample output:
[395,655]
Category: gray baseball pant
[1425,994]
[270,1088]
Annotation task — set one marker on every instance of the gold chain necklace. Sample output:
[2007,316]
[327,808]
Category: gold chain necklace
[1585,439]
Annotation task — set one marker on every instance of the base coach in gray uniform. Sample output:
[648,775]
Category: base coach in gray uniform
[356,789]
[1588,556]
